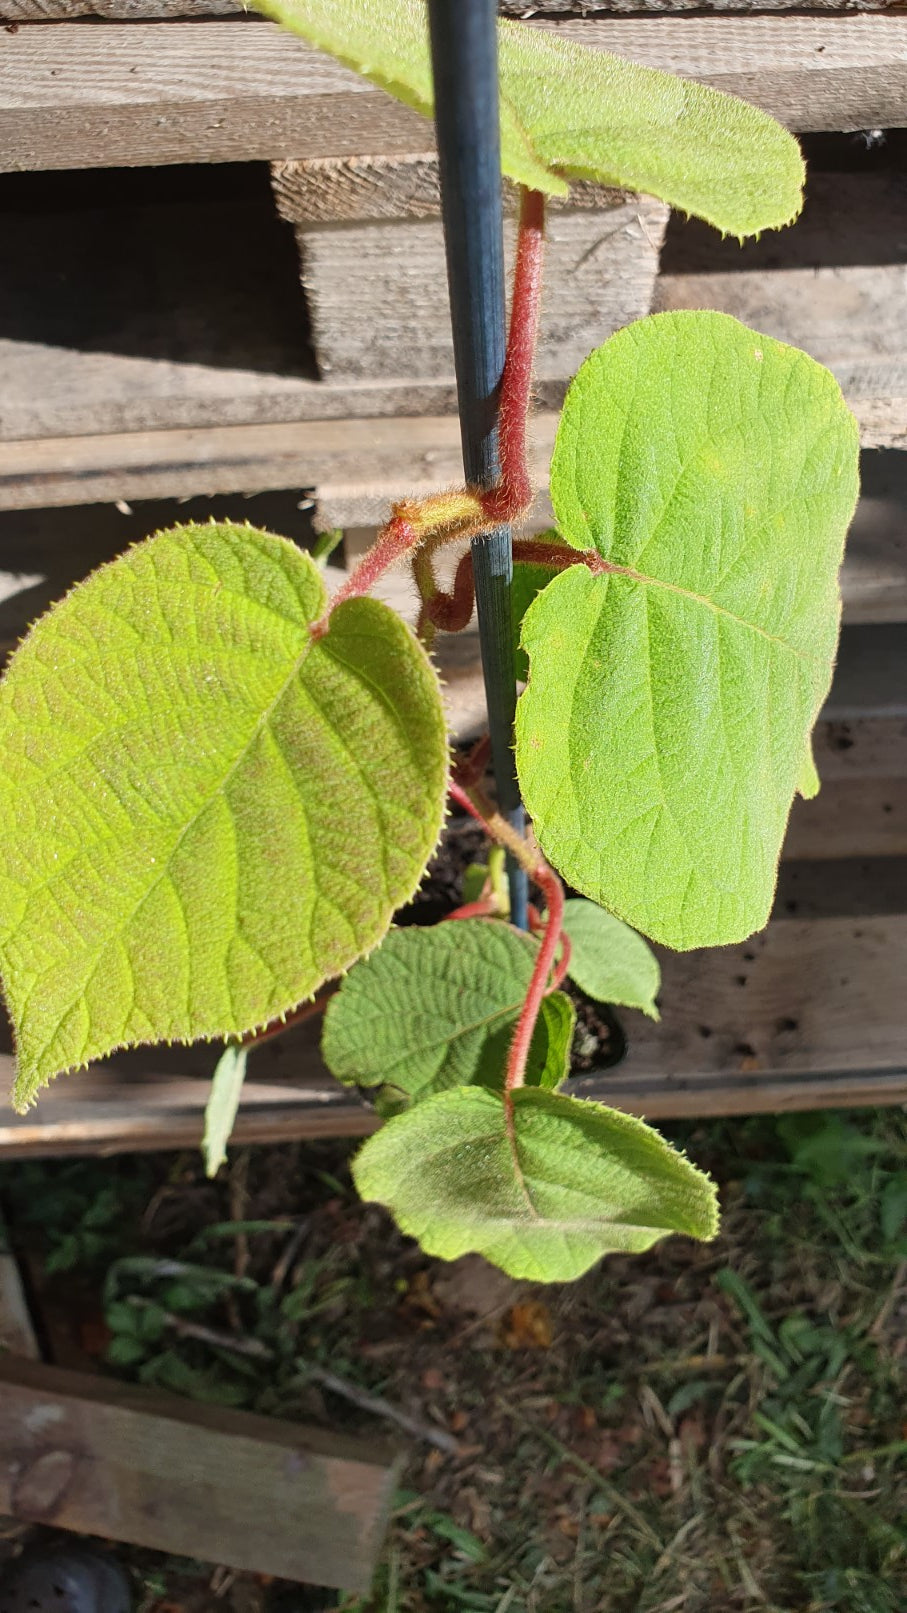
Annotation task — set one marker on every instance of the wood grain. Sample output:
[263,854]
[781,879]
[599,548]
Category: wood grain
[334,190]
[810,1013]
[73,96]
[86,1453]
[377,292]
[139,10]
[806,998]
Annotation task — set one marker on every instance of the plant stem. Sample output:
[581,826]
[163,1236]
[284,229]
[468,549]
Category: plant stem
[547,879]
[515,487]
[539,985]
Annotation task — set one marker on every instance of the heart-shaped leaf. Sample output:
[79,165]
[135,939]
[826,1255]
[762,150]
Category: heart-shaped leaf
[608,960]
[664,728]
[436,1008]
[207,812]
[571,111]
[544,1194]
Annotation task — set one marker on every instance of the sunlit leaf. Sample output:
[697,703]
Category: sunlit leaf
[671,698]
[571,111]
[206,811]
[223,1105]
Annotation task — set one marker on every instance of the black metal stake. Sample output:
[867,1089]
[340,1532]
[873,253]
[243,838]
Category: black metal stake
[465,67]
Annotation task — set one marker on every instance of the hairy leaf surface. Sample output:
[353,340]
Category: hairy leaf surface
[572,1181]
[436,1008]
[608,960]
[206,812]
[666,722]
[571,111]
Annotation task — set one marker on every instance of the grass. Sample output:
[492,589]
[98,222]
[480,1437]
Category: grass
[702,1430]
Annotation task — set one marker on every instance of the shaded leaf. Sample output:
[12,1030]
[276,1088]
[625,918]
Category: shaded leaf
[436,1008]
[608,960]
[207,812]
[572,1182]
[572,111]
[662,734]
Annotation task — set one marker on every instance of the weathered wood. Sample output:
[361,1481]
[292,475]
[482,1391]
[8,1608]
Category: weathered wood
[377,293]
[86,1453]
[835,284]
[806,998]
[115,10]
[147,10]
[75,97]
[819,1019]
[347,190]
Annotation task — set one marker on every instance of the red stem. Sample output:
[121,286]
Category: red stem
[451,612]
[547,879]
[394,541]
[557,979]
[513,494]
[278,1026]
[487,908]
[458,794]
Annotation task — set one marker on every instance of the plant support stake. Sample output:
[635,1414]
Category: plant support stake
[465,69]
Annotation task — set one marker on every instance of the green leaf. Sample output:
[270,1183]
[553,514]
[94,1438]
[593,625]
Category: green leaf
[549,1053]
[474,882]
[436,1008]
[569,1182]
[662,734]
[608,960]
[809,782]
[529,579]
[223,1103]
[572,111]
[207,812]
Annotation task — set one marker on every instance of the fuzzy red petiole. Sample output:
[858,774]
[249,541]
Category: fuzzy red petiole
[549,883]
[487,908]
[513,494]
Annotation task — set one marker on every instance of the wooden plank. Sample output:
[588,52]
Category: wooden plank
[73,96]
[83,1452]
[114,10]
[350,190]
[101,1111]
[810,1013]
[821,999]
[358,467]
[377,292]
[835,284]
[148,10]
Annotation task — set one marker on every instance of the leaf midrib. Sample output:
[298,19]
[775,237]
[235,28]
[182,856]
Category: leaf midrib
[610,568]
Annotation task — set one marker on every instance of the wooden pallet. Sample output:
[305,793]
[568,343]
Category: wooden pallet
[105,402]
[73,96]
[811,1013]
